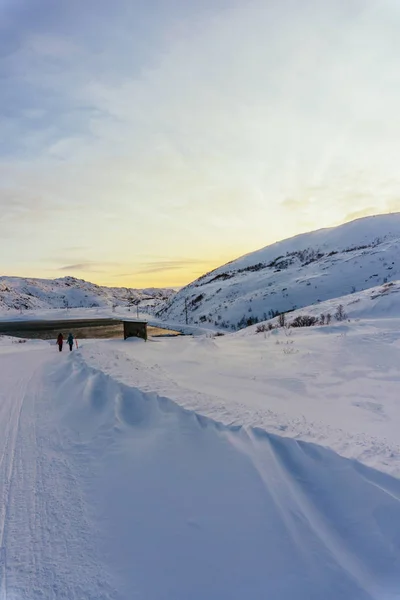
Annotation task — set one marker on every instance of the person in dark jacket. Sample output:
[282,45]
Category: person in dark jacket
[60,340]
[70,341]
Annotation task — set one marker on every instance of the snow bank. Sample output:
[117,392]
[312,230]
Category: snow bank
[9,344]
[189,508]
[335,385]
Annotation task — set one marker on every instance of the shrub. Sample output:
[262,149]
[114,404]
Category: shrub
[198,299]
[282,320]
[304,321]
[251,321]
[264,327]
[246,322]
[340,315]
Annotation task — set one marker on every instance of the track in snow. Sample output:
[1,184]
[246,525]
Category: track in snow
[47,538]
[10,414]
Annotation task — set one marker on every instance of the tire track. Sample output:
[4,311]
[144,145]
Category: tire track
[48,539]
[6,472]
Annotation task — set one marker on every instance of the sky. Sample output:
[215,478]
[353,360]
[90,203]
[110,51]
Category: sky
[143,143]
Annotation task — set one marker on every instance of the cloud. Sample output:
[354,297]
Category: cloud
[393,205]
[169,265]
[215,125]
[358,214]
[294,204]
[23,208]
[89,266]
[77,267]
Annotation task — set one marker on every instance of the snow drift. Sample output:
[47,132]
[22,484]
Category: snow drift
[185,507]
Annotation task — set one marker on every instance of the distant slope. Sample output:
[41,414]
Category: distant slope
[69,292]
[381,301]
[304,270]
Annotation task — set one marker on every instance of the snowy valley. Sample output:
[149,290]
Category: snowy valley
[227,427]
[262,463]
[250,465]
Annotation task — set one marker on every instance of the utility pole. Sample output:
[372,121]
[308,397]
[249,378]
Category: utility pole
[186,311]
[136,303]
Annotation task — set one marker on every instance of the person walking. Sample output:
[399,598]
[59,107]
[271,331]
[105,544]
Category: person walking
[60,341]
[70,341]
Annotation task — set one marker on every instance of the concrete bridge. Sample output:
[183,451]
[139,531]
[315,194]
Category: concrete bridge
[82,328]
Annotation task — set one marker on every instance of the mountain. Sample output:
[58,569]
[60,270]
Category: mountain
[69,292]
[304,270]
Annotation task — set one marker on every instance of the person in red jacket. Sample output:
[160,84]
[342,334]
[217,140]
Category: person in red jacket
[60,340]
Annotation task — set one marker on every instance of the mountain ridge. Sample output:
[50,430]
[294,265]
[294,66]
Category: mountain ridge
[290,274]
[26,293]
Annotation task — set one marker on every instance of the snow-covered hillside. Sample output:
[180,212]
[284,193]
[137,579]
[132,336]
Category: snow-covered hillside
[304,270]
[382,301]
[69,292]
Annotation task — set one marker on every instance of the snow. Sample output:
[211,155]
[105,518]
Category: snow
[244,466]
[309,269]
[335,385]
[295,273]
[30,294]
[380,302]
[257,464]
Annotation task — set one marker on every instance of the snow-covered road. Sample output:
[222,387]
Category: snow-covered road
[12,398]
[48,545]
[114,493]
